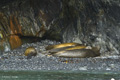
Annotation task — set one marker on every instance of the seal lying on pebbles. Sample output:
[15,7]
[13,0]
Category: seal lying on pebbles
[78,53]
[62,45]
[66,48]
[29,52]
[73,50]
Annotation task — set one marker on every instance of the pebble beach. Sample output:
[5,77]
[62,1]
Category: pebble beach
[15,60]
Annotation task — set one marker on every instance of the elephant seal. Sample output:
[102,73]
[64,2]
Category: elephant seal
[66,48]
[61,45]
[29,52]
[78,53]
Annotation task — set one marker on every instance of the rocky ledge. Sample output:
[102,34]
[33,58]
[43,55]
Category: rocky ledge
[15,60]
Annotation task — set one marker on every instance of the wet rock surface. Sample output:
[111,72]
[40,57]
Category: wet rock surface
[15,60]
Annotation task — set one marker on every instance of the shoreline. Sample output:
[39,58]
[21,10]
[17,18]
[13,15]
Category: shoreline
[14,61]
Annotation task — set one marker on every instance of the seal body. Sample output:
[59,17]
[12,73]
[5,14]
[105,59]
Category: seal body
[62,45]
[66,48]
[77,53]
[30,51]
[77,47]
[72,50]
[54,50]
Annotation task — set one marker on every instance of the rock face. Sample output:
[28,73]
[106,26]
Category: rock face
[91,22]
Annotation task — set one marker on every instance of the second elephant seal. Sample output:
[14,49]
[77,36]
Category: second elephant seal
[78,53]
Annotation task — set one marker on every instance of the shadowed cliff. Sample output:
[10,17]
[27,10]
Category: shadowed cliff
[90,22]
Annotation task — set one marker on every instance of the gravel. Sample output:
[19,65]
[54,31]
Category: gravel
[15,60]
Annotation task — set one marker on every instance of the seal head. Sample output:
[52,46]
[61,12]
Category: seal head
[29,52]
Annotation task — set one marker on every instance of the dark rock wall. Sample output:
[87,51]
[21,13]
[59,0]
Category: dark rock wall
[26,18]
[29,16]
[91,22]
